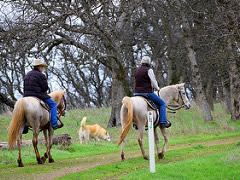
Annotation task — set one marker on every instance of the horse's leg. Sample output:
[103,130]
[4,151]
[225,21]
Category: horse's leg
[123,115]
[122,149]
[164,133]
[140,141]
[19,143]
[156,138]
[35,142]
[50,140]
[47,145]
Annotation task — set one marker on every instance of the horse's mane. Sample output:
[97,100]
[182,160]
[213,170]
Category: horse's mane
[57,95]
[173,86]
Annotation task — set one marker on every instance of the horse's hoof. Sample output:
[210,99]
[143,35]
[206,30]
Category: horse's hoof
[145,158]
[20,164]
[43,159]
[160,155]
[122,157]
[51,161]
[40,161]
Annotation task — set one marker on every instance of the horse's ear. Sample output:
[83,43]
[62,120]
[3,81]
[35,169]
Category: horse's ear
[182,84]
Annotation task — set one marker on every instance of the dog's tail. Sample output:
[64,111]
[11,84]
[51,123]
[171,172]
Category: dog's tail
[127,120]
[84,119]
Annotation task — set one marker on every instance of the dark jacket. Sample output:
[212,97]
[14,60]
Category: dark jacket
[143,82]
[35,84]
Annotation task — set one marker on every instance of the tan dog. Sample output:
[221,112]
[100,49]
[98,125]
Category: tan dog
[93,131]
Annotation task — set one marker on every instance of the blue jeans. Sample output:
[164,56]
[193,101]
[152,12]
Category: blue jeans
[160,104]
[53,106]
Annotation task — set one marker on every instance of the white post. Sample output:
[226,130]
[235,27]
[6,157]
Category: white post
[151,142]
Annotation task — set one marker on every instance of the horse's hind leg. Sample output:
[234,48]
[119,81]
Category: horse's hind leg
[157,142]
[35,142]
[123,116]
[47,145]
[164,133]
[122,149]
[50,141]
[140,142]
[19,143]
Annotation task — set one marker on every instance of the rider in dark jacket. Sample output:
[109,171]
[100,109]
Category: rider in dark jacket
[145,81]
[35,84]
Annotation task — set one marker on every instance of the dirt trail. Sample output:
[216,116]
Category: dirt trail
[85,163]
[89,162]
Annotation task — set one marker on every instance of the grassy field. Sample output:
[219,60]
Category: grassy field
[219,161]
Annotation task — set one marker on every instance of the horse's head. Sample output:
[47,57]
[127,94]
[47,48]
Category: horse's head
[59,98]
[62,106]
[182,99]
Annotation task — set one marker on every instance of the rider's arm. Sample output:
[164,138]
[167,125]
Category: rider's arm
[153,79]
[44,83]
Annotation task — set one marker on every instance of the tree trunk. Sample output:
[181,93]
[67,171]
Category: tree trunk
[117,95]
[174,74]
[209,93]
[5,100]
[226,95]
[195,69]
[119,79]
[234,83]
[234,87]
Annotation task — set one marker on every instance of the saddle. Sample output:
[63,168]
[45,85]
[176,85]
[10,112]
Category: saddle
[154,107]
[43,104]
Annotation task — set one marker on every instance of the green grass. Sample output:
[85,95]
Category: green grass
[187,127]
[223,165]
[198,162]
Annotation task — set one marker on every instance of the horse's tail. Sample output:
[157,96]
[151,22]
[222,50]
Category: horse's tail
[84,119]
[128,102]
[16,123]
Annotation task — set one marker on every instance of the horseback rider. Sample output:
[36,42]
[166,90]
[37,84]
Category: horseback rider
[144,81]
[35,84]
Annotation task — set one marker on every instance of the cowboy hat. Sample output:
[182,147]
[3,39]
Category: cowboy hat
[39,62]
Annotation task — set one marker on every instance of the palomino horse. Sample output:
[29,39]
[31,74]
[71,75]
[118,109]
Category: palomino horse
[30,112]
[134,110]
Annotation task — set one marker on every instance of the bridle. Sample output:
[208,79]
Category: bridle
[174,108]
[180,95]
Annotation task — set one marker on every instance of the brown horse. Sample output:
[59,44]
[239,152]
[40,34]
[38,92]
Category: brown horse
[134,110]
[30,112]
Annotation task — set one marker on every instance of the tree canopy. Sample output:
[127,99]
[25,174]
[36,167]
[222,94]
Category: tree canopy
[93,48]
